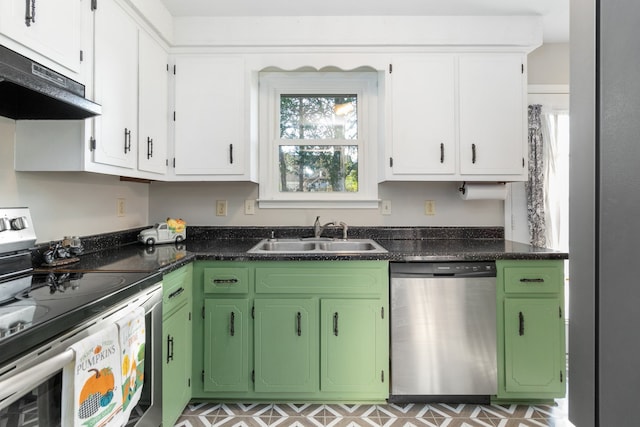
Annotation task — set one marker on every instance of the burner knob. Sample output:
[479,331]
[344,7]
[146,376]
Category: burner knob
[4,224]
[19,223]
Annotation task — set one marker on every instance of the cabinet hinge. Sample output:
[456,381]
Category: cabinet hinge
[561,378]
[166,162]
[189,382]
[382,376]
[390,162]
[203,376]
[92,144]
[203,311]
[521,68]
[174,116]
[174,69]
[253,376]
[94,4]
[253,312]
[523,162]
[390,68]
[167,67]
[81,55]
[382,312]
[560,312]
[174,162]
[189,316]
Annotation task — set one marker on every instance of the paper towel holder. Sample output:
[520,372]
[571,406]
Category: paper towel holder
[462,188]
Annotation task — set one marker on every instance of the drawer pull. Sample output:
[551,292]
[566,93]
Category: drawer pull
[299,323]
[176,293]
[525,280]
[232,324]
[521,323]
[224,281]
[335,324]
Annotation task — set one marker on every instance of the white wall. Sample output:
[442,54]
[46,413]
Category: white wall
[68,203]
[549,65]
[195,203]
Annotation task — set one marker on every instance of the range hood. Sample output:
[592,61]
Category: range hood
[29,90]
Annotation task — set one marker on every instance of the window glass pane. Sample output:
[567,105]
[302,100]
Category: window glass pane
[318,117]
[318,168]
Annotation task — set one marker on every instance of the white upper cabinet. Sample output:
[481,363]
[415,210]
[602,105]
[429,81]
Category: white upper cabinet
[116,86]
[456,117]
[422,111]
[211,122]
[51,29]
[153,85]
[492,115]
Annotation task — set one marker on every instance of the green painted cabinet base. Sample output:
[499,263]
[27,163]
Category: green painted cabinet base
[295,331]
[176,343]
[531,330]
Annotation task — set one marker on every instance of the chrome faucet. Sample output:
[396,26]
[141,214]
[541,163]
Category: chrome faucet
[345,227]
[318,229]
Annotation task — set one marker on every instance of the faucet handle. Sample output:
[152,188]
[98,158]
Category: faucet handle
[345,227]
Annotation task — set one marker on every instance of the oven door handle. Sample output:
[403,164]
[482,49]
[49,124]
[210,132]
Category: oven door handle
[28,379]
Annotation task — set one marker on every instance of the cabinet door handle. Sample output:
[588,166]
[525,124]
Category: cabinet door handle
[473,153]
[335,324]
[30,12]
[526,280]
[224,281]
[231,153]
[299,324]
[441,152]
[169,348]
[521,323]
[232,324]
[149,147]
[176,293]
[127,140]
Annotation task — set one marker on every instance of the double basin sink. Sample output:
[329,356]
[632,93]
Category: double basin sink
[316,245]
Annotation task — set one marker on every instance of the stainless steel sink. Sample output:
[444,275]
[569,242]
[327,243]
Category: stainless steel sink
[317,245]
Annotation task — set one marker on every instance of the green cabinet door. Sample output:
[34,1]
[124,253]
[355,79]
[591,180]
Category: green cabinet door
[534,343]
[286,345]
[354,349]
[226,339]
[176,364]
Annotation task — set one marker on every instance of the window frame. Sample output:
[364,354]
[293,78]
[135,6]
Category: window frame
[273,84]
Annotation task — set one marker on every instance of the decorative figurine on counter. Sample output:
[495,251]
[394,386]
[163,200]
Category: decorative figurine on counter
[64,252]
[173,230]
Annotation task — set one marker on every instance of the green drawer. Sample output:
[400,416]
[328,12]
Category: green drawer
[321,279]
[533,279]
[176,289]
[222,280]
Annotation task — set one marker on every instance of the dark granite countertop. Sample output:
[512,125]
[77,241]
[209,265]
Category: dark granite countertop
[230,243]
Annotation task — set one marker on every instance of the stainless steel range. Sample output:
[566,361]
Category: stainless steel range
[43,313]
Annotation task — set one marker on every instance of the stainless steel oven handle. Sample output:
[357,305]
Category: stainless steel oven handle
[32,377]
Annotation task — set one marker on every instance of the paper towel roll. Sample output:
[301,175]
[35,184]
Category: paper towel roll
[483,191]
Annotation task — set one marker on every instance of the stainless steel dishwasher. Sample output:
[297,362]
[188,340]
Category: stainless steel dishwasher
[443,332]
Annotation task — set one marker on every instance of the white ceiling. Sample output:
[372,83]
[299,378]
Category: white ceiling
[555,13]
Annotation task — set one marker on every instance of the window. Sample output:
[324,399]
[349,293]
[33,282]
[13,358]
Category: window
[318,136]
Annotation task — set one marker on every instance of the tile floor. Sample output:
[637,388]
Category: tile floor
[390,415]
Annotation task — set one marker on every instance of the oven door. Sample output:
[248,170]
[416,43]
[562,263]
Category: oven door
[31,387]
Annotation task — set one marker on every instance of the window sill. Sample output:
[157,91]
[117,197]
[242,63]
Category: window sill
[319,204]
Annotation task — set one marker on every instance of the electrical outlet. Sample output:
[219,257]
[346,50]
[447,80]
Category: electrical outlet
[249,207]
[385,207]
[221,208]
[429,207]
[121,207]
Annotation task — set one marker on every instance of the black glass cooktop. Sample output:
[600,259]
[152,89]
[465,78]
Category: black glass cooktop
[57,302]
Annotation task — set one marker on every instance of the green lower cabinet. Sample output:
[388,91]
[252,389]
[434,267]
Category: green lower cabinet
[176,367]
[531,330]
[286,345]
[226,352]
[353,342]
[268,332]
[534,346]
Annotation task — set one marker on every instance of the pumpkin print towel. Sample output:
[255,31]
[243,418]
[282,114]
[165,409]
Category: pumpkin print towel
[92,382]
[132,340]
